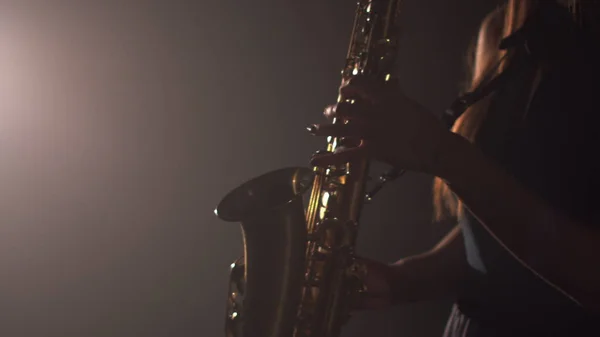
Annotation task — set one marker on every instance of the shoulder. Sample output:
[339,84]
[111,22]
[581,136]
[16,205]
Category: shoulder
[490,34]
[493,23]
[491,28]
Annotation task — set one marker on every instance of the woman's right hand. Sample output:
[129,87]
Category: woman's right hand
[387,126]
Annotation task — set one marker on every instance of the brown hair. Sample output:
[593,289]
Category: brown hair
[483,56]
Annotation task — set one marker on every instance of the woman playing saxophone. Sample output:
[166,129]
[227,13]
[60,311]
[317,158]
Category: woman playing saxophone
[517,171]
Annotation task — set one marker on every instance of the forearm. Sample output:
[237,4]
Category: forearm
[562,251]
[424,277]
[430,276]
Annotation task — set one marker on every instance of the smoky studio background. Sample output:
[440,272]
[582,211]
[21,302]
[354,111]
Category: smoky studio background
[123,123]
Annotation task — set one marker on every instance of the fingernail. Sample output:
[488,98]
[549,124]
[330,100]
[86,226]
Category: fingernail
[315,160]
[312,129]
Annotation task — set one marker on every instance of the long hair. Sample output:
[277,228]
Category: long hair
[482,56]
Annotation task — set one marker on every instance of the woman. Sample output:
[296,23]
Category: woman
[517,170]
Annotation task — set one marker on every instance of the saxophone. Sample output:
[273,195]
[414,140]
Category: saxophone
[299,275]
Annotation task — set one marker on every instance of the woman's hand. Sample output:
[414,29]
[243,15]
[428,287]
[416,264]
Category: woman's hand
[377,284]
[387,125]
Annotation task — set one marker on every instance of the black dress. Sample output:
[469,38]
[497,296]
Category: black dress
[550,143]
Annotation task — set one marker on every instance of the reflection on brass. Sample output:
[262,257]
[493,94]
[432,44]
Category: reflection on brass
[299,276]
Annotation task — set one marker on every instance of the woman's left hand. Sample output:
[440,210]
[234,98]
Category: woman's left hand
[391,128]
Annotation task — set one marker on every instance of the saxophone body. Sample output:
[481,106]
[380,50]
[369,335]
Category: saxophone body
[298,276]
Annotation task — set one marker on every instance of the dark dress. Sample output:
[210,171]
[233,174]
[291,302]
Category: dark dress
[549,145]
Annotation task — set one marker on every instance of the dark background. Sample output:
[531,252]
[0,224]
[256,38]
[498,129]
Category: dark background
[123,123]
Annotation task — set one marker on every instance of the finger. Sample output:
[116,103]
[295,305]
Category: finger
[367,88]
[330,112]
[347,110]
[371,81]
[351,129]
[340,157]
[357,88]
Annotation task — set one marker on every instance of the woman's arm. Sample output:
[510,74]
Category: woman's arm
[432,275]
[564,251]
[429,276]
[400,132]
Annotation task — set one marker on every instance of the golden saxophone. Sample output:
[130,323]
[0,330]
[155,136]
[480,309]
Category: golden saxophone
[298,276]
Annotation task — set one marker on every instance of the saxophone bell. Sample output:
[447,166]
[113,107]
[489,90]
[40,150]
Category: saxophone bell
[265,284]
